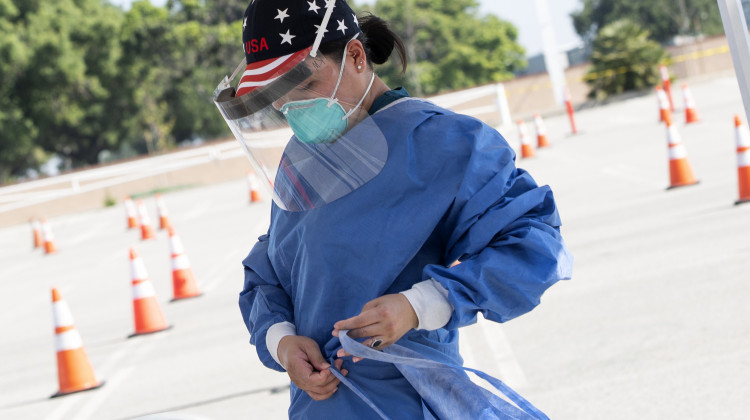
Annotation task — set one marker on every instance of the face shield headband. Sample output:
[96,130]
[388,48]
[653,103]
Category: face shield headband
[304,171]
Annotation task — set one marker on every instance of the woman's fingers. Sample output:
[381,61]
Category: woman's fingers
[355,323]
[320,396]
[383,321]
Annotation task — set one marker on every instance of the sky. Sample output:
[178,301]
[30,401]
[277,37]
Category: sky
[523,16]
[520,13]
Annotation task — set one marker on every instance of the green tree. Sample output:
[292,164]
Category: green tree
[449,45]
[623,58]
[662,18]
[16,130]
[58,58]
[173,58]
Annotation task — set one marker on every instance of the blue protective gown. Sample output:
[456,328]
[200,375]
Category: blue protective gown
[449,190]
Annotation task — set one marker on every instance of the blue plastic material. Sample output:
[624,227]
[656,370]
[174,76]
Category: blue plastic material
[445,389]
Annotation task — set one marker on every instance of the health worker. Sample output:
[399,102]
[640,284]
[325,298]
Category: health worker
[375,196]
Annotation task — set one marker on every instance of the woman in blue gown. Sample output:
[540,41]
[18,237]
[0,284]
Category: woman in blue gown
[371,215]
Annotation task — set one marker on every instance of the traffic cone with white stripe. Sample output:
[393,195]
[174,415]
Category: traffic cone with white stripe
[131,214]
[74,372]
[254,187]
[691,114]
[183,280]
[147,232]
[163,212]
[667,82]
[49,238]
[147,314]
[36,227]
[527,150]
[541,132]
[680,171]
[743,160]
[663,104]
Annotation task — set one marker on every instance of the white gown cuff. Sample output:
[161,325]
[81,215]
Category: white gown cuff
[275,334]
[430,302]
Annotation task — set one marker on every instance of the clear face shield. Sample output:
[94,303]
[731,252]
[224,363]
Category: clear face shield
[305,131]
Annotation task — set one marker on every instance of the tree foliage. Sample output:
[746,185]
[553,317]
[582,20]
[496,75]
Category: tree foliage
[623,58]
[79,77]
[664,19]
[88,81]
[449,45]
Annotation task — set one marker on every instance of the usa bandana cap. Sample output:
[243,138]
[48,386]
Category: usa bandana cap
[278,34]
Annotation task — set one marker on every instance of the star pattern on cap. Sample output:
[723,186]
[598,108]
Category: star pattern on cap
[317,29]
[356,22]
[244,23]
[287,37]
[313,6]
[282,15]
[341,27]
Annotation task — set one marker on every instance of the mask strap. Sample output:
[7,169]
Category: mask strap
[372,79]
[330,4]
[341,69]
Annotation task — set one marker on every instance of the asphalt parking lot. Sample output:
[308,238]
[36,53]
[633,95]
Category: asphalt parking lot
[655,323]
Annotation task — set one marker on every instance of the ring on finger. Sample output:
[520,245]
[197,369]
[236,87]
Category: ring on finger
[376,342]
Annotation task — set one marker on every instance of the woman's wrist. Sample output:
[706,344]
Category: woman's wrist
[274,335]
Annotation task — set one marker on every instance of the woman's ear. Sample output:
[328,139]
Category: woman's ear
[357,54]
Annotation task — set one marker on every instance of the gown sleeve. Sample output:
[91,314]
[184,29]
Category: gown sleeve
[263,302]
[505,231]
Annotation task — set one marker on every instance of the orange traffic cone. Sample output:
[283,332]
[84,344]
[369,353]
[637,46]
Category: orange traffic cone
[37,228]
[74,372]
[147,232]
[163,213]
[183,281]
[680,171]
[541,132]
[691,114]
[665,80]
[49,238]
[130,213]
[147,313]
[663,104]
[570,110]
[743,160]
[252,183]
[527,150]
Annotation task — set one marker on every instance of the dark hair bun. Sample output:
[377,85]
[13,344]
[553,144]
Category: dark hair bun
[380,40]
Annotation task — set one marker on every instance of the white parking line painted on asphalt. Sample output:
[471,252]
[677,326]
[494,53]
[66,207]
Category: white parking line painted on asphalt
[59,412]
[631,174]
[484,346]
[230,263]
[117,376]
[96,401]
[219,274]
[503,354]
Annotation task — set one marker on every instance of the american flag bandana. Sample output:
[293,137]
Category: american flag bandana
[278,34]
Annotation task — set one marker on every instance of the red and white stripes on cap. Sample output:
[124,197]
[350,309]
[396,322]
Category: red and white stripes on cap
[265,72]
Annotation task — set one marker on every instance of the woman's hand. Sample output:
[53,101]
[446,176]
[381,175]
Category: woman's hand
[384,320]
[307,368]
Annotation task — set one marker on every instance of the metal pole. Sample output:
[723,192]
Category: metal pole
[551,52]
[735,28]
